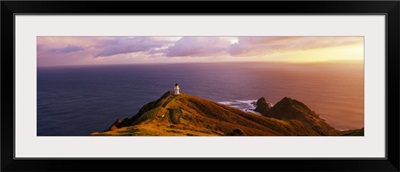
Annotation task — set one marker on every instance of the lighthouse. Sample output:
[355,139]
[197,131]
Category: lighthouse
[176,89]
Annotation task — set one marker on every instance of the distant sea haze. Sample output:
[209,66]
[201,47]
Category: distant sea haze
[78,100]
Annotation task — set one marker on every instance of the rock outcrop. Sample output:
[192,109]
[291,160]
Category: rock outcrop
[262,106]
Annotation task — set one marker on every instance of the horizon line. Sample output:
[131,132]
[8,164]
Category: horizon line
[205,62]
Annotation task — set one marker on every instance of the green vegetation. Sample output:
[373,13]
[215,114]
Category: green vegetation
[187,115]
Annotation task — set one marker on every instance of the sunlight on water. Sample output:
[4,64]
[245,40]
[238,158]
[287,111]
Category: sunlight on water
[82,99]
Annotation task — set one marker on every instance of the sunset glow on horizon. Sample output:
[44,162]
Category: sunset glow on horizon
[78,50]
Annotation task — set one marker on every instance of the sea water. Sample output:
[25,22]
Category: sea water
[78,100]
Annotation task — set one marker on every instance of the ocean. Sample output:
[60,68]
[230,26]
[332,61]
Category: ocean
[78,100]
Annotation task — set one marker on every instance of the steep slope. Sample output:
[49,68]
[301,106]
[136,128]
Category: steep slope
[187,115]
[296,112]
[262,106]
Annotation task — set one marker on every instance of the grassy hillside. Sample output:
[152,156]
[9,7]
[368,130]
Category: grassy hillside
[187,115]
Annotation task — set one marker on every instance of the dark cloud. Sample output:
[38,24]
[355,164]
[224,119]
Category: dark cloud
[82,50]
[198,46]
[67,49]
[40,47]
[123,45]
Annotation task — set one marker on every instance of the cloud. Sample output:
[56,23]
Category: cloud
[71,50]
[198,46]
[40,48]
[67,49]
[123,45]
[268,45]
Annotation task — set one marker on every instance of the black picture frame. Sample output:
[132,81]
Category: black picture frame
[10,8]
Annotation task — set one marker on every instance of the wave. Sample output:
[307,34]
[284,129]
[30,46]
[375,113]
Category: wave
[243,105]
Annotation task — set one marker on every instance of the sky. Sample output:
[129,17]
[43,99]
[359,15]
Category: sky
[80,50]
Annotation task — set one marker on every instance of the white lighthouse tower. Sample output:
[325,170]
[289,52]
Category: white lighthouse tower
[176,89]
